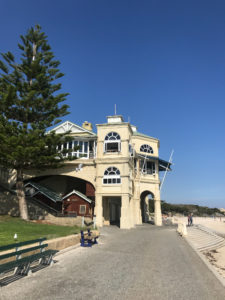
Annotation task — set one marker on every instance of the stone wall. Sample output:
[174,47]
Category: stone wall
[9,206]
[68,221]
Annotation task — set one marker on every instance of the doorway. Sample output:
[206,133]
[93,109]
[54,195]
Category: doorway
[112,210]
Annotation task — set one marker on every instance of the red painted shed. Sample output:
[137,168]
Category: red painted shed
[78,204]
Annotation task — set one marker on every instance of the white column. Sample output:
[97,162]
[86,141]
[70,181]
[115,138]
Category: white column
[137,200]
[158,213]
[98,210]
[132,211]
[125,212]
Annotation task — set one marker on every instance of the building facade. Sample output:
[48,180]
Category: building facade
[118,163]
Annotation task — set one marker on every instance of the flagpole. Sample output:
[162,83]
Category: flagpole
[167,168]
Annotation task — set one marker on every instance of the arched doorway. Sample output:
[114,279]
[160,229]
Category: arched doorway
[147,206]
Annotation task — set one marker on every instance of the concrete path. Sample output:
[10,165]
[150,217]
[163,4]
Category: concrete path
[143,263]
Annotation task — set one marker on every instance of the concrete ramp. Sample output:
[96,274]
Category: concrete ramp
[202,238]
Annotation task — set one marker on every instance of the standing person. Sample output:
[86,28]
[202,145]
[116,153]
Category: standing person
[191,219]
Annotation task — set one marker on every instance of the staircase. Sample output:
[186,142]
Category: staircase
[9,205]
[202,238]
[44,206]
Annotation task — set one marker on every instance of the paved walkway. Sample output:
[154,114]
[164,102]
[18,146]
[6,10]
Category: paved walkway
[144,263]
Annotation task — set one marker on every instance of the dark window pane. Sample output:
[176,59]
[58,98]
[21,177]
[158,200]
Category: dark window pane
[91,145]
[112,147]
[85,147]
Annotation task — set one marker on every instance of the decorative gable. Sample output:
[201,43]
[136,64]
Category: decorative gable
[73,128]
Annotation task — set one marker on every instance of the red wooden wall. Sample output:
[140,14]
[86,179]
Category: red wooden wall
[72,205]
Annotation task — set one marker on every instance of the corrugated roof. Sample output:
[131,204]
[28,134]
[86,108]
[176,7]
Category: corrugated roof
[45,191]
[79,194]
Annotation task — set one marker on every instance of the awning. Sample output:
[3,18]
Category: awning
[163,164]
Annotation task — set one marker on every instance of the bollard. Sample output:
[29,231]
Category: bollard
[184,229]
[179,228]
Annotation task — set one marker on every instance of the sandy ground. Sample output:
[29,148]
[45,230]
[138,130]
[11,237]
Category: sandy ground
[215,257]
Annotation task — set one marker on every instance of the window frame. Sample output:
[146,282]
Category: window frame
[147,170]
[82,205]
[148,148]
[113,178]
[112,138]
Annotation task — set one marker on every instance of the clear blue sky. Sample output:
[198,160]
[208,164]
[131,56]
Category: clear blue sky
[161,61]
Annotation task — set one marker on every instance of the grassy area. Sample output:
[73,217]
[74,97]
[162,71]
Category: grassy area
[30,230]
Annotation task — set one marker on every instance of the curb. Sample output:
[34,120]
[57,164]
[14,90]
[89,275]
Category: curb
[65,250]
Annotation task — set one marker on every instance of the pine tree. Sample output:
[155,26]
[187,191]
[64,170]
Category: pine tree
[29,105]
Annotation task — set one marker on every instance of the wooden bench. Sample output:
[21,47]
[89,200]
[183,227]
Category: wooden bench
[21,264]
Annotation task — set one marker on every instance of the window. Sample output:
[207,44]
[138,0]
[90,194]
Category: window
[82,209]
[131,150]
[147,167]
[146,148]
[59,147]
[80,152]
[112,142]
[135,163]
[85,147]
[111,176]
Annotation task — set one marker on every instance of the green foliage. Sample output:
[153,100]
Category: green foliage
[29,104]
[186,209]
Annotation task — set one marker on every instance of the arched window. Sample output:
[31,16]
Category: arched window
[146,148]
[112,142]
[111,176]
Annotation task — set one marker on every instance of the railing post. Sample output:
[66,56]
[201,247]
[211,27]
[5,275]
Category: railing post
[94,221]
[82,222]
